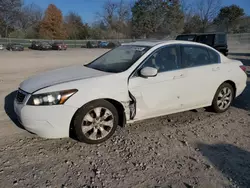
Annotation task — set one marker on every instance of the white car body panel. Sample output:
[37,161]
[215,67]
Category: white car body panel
[101,87]
[164,100]
[57,76]
[46,121]
[200,91]
[168,92]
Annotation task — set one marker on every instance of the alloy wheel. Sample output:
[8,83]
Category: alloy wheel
[225,98]
[97,123]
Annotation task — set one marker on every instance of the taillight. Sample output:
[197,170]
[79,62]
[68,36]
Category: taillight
[243,68]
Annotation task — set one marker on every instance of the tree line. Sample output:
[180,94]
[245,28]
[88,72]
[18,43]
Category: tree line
[140,19]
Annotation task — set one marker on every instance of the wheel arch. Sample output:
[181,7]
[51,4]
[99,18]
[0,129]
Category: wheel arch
[120,109]
[229,82]
[214,106]
[118,105]
[232,84]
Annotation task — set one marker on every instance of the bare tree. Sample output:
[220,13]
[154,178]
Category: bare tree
[9,13]
[116,17]
[30,15]
[75,27]
[207,10]
[157,18]
[188,10]
[123,11]
[109,16]
[122,24]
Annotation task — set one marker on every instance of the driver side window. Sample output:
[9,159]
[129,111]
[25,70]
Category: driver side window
[164,59]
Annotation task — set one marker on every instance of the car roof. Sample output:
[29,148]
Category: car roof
[166,42]
[144,43]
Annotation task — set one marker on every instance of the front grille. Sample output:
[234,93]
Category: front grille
[20,96]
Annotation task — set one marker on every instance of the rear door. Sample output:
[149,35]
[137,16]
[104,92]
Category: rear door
[203,74]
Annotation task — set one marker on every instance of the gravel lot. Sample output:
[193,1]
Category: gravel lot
[190,149]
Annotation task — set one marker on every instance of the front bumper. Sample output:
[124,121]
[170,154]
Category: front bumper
[45,121]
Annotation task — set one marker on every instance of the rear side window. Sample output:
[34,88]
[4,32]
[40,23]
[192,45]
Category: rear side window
[214,56]
[193,56]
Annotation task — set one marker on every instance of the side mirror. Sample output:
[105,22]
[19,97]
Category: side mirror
[148,72]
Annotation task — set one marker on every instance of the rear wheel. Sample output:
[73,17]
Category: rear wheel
[223,98]
[96,122]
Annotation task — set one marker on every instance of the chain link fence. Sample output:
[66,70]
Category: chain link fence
[236,42]
[70,43]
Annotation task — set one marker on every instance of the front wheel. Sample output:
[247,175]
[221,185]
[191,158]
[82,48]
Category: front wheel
[96,122]
[223,98]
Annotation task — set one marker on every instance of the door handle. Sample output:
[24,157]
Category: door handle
[216,68]
[179,76]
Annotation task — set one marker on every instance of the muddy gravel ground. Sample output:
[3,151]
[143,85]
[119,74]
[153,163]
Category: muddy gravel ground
[191,149]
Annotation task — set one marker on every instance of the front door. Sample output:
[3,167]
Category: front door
[161,94]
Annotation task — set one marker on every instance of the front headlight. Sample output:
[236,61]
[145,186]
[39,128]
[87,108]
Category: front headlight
[53,98]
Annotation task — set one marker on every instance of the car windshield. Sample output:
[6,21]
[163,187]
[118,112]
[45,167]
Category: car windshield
[118,59]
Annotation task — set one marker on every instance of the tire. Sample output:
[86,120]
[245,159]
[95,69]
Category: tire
[220,107]
[99,132]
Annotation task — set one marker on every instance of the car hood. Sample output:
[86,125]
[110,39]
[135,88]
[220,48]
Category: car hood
[59,76]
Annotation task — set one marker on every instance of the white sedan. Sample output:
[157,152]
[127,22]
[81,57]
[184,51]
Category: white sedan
[132,82]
